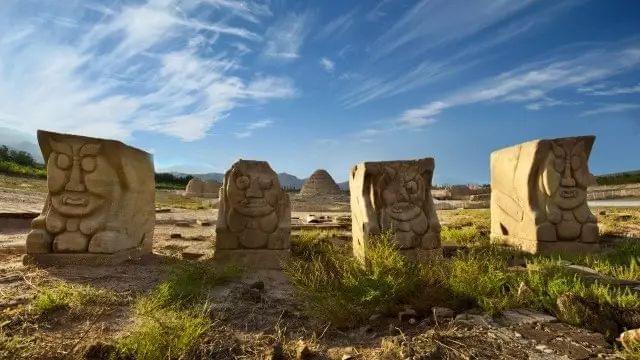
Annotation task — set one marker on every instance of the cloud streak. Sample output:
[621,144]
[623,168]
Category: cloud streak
[534,81]
[135,69]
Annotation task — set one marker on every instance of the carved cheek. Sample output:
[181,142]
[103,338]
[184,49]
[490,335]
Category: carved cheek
[103,180]
[550,180]
[56,177]
[271,197]
[388,197]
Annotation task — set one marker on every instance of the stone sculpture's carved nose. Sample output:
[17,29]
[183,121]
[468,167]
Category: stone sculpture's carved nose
[75,179]
[567,179]
[254,190]
[403,194]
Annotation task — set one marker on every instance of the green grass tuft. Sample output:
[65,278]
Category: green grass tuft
[340,289]
[62,296]
[169,322]
[189,283]
[162,333]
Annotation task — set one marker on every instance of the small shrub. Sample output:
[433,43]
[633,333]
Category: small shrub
[481,278]
[70,296]
[340,289]
[314,242]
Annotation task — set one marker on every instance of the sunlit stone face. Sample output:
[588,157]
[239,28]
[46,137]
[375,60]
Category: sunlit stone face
[252,191]
[80,180]
[565,176]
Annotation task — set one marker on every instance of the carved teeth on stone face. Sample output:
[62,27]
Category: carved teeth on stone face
[568,194]
[74,201]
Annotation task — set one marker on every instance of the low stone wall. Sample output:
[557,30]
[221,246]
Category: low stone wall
[606,192]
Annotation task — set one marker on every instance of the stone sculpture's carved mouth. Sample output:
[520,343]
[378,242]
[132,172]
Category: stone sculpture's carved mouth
[568,193]
[74,201]
[404,211]
[254,203]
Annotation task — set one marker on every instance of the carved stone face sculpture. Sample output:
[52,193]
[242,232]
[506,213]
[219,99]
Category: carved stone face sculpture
[79,179]
[253,192]
[565,178]
[254,219]
[539,195]
[401,189]
[394,196]
[101,197]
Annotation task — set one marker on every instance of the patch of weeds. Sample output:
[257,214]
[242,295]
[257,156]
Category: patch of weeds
[63,295]
[170,321]
[466,235]
[188,283]
[338,288]
[162,333]
[481,278]
[314,242]
[14,347]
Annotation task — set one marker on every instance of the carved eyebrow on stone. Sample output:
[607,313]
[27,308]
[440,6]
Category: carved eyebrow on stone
[60,147]
[89,149]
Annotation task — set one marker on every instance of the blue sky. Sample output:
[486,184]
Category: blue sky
[326,84]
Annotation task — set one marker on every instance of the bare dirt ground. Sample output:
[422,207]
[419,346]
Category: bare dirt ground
[247,324]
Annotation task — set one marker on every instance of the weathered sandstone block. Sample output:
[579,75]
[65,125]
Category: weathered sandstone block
[254,219]
[205,189]
[538,199]
[100,203]
[394,196]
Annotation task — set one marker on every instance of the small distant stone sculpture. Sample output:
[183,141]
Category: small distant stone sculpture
[254,219]
[395,196]
[539,196]
[205,189]
[100,206]
[320,183]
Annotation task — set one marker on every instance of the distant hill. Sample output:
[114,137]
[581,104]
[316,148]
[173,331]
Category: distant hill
[20,141]
[286,180]
[344,186]
[627,177]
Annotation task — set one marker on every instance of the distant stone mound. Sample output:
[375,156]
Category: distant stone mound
[320,183]
[199,188]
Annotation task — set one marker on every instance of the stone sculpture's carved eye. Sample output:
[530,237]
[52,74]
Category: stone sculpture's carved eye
[576,162]
[558,163]
[266,184]
[411,187]
[88,163]
[63,161]
[242,182]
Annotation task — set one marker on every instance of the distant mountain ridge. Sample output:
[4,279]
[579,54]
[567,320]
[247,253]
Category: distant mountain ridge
[286,180]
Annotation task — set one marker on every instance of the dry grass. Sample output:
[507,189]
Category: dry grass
[169,199]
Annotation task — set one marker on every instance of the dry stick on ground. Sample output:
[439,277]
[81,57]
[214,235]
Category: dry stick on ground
[85,333]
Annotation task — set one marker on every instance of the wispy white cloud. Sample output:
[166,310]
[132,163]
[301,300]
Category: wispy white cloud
[606,90]
[284,38]
[337,26]
[611,108]
[435,22]
[140,68]
[430,70]
[547,102]
[535,80]
[250,128]
[328,65]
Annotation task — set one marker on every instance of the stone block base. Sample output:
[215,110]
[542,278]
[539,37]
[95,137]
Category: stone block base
[254,259]
[83,259]
[547,247]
